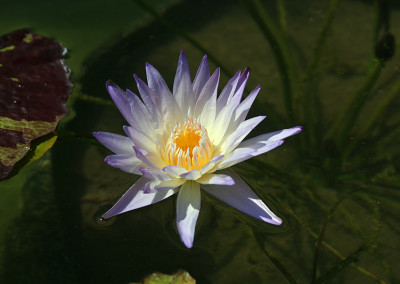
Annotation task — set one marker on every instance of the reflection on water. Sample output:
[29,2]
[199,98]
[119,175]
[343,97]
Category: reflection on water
[335,185]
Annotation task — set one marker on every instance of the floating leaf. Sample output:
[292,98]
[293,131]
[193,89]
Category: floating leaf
[34,87]
[180,277]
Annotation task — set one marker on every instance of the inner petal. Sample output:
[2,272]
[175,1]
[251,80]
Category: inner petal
[188,146]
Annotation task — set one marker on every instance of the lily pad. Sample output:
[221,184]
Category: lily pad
[34,86]
[180,277]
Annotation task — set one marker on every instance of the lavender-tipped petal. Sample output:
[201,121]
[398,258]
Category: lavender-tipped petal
[241,197]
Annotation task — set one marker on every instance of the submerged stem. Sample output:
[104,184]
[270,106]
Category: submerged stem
[348,117]
[282,15]
[307,96]
[331,248]
[94,100]
[273,259]
[352,258]
[379,110]
[279,49]
[184,35]
[322,235]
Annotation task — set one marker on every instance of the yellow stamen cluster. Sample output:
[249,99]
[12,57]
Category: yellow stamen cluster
[188,146]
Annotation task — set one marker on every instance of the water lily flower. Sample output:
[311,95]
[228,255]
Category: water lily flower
[184,141]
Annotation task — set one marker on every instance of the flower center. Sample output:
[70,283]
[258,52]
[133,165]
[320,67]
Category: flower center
[188,146]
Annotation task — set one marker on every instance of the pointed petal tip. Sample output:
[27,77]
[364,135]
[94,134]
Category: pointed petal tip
[188,243]
[125,128]
[111,86]
[109,213]
[182,58]
[108,161]
[109,82]
[148,67]
[115,91]
[273,221]
[299,129]
[186,238]
[97,135]
[105,216]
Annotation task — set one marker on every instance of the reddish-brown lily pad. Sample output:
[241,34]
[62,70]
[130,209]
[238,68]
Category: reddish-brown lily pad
[34,86]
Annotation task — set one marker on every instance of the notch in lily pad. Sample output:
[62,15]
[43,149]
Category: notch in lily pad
[34,87]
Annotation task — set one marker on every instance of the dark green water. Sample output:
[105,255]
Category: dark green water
[336,185]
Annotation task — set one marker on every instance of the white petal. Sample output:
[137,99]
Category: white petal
[162,185]
[241,154]
[242,110]
[169,109]
[151,100]
[272,136]
[182,90]
[121,101]
[191,175]
[208,114]
[231,141]
[223,119]
[140,139]
[127,162]
[257,145]
[216,179]
[206,103]
[241,197]
[211,164]
[155,174]
[150,159]
[135,198]
[143,120]
[241,83]
[116,143]
[174,170]
[228,91]
[202,76]
[154,79]
[187,211]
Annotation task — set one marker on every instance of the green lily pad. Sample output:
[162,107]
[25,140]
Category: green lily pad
[181,277]
[34,86]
